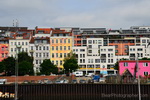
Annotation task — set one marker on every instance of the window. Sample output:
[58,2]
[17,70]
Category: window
[125,64]
[31,47]
[116,46]
[140,49]
[47,48]
[145,64]
[57,55]
[64,47]
[2,54]
[56,41]
[111,60]
[108,55]
[26,43]
[80,55]
[57,48]
[90,51]
[64,54]
[22,43]
[76,50]
[36,61]
[83,55]
[60,47]
[88,60]
[68,40]
[64,40]
[60,40]
[39,48]
[36,54]
[143,41]
[61,62]
[43,47]
[99,41]
[97,60]
[56,62]
[110,49]
[90,41]
[145,73]
[60,55]
[90,46]
[52,40]
[52,47]
[47,54]
[68,47]
[82,50]
[80,60]
[6,54]
[108,60]
[126,46]
[18,43]
[39,54]
[11,43]
[2,48]
[23,49]
[36,48]
[83,60]
[53,55]
[43,54]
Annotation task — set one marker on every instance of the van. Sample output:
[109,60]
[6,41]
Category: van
[78,73]
[3,81]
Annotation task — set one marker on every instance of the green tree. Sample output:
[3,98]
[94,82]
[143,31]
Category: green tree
[48,67]
[25,64]
[116,66]
[145,58]
[25,68]
[2,67]
[70,63]
[9,66]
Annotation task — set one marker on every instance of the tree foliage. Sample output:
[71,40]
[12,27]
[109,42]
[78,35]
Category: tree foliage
[48,67]
[25,68]
[9,66]
[25,64]
[70,63]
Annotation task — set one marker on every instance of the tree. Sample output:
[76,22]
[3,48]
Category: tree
[48,67]
[70,63]
[25,68]
[2,67]
[116,66]
[145,58]
[9,66]
[25,64]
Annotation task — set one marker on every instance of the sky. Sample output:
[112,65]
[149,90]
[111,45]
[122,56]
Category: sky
[114,14]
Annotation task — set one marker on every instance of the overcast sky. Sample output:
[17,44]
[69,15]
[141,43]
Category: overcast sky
[113,14]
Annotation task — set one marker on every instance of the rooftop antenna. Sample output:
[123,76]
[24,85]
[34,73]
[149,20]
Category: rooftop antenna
[13,23]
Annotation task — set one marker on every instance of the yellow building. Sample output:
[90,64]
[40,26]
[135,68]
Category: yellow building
[60,45]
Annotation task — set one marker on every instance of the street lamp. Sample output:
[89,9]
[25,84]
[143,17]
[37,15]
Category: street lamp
[16,72]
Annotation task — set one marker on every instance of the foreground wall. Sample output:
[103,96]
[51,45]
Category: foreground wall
[77,92]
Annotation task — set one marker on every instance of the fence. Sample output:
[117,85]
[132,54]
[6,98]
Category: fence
[75,92]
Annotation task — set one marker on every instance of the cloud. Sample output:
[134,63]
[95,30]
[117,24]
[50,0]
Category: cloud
[78,13]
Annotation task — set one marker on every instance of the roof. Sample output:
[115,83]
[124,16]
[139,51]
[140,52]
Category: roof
[43,30]
[25,35]
[39,38]
[134,61]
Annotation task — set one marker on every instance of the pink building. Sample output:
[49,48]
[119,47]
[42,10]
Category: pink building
[144,67]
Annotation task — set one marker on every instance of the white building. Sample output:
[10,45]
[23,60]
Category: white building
[20,41]
[40,50]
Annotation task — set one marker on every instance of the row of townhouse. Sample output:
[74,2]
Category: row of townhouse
[96,49]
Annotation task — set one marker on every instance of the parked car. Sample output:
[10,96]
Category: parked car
[102,80]
[66,81]
[89,74]
[59,81]
[82,81]
[74,81]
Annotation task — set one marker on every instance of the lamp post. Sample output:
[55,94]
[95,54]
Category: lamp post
[16,72]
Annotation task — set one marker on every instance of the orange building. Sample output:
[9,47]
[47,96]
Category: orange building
[121,46]
[4,51]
